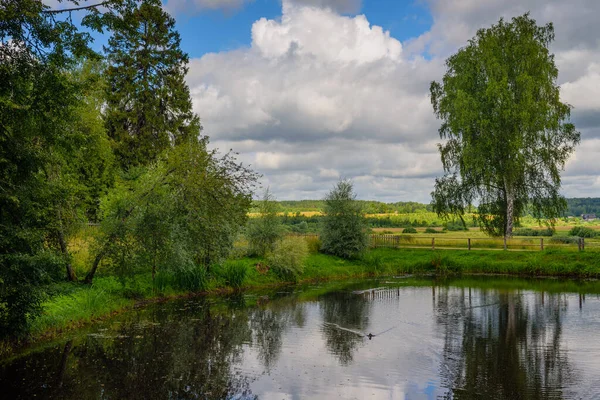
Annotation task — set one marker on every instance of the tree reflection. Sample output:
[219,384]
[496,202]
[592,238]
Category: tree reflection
[502,344]
[344,310]
[269,324]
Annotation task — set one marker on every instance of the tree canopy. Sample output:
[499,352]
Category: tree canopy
[149,107]
[506,133]
[344,231]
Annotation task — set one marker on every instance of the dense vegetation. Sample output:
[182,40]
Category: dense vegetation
[106,138]
[579,206]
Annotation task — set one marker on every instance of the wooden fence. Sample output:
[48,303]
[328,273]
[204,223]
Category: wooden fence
[478,243]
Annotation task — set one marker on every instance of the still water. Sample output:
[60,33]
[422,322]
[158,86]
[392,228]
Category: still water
[490,338]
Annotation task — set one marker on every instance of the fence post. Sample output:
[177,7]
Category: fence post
[469,241]
[542,244]
[397,240]
[432,243]
[582,243]
[579,244]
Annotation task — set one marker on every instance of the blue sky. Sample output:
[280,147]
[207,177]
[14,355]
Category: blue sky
[223,30]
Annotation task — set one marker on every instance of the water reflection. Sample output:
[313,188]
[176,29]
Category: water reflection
[460,340]
[346,310]
[502,344]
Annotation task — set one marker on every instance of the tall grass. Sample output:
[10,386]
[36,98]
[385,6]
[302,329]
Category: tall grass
[234,273]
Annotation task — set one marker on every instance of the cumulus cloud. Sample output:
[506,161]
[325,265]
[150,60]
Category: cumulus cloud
[319,95]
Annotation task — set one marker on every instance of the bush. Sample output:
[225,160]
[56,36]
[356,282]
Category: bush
[409,230]
[583,232]
[234,272]
[455,227]
[264,231]
[344,231]
[431,230]
[314,244]
[288,257]
[533,232]
[565,239]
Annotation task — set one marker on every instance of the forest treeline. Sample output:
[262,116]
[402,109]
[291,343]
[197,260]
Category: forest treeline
[575,207]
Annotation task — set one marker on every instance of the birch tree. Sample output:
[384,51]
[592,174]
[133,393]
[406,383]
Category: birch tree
[506,134]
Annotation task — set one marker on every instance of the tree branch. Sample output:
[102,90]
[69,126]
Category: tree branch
[77,8]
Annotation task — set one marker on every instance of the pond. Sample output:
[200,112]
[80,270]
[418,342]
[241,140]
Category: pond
[477,337]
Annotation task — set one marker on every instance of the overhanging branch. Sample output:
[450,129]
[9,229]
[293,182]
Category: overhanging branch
[77,8]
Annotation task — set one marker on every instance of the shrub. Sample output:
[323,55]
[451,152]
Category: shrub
[409,230]
[583,232]
[533,232]
[264,231]
[455,227]
[565,239]
[432,230]
[344,231]
[288,257]
[234,272]
[314,244]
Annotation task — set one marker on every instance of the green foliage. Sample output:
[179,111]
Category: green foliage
[148,102]
[454,226]
[266,229]
[506,133]
[38,102]
[288,257]
[369,206]
[344,231]
[234,273]
[373,262]
[565,239]
[432,230]
[182,213]
[534,232]
[579,206]
[314,244]
[409,230]
[192,279]
[583,232]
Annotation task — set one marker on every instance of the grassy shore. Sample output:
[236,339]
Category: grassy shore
[72,305]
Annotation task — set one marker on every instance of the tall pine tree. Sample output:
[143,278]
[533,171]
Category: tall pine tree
[148,102]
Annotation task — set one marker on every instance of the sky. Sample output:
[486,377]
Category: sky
[311,91]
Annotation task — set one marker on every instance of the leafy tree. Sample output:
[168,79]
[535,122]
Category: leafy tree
[179,214]
[81,169]
[148,102]
[344,231]
[266,229]
[506,132]
[37,101]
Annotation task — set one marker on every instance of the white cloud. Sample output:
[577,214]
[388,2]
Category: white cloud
[318,95]
[584,92]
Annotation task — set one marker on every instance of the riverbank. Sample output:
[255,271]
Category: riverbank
[73,305]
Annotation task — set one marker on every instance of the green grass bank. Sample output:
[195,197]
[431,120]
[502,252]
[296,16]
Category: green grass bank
[72,305]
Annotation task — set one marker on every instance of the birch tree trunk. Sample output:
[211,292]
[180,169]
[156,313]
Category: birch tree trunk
[510,210]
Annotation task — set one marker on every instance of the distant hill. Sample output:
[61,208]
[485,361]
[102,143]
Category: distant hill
[575,206]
